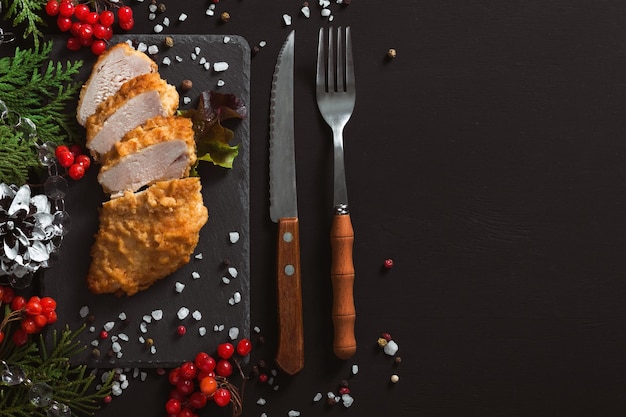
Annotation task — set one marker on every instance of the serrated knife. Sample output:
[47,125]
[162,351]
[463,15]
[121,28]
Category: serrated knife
[284,211]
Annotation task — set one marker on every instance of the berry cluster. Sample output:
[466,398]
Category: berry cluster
[73,159]
[210,376]
[33,314]
[87,27]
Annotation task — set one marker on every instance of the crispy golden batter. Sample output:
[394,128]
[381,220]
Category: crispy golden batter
[145,236]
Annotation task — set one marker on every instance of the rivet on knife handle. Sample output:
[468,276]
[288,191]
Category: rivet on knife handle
[342,276]
[290,354]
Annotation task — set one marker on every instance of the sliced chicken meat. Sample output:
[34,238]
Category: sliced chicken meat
[113,68]
[145,236]
[162,149]
[137,101]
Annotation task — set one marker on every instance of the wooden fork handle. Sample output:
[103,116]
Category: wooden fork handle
[342,276]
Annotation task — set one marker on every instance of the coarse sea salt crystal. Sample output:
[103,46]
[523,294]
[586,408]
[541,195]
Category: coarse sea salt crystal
[237,297]
[293,413]
[122,316]
[355,369]
[220,83]
[196,315]
[231,301]
[226,39]
[198,256]
[202,61]
[193,56]
[233,237]
[209,12]
[287,20]
[202,331]
[166,61]
[153,349]
[143,327]
[233,333]
[182,17]
[262,44]
[216,328]
[116,347]
[84,312]
[178,58]
[143,376]
[220,66]
[92,329]
[261,401]
[306,11]
[182,313]
[158,28]
[108,325]
[179,286]
[142,47]
[207,66]
[194,274]
[114,338]
[317,397]
[157,314]
[325,12]
[324,3]
[232,271]
[331,18]
[151,16]
[123,337]
[347,400]
[166,21]
[147,318]
[95,343]
[187,100]
[197,50]
[226,280]
[391,348]
[152,8]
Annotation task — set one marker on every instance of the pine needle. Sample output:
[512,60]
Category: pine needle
[26,12]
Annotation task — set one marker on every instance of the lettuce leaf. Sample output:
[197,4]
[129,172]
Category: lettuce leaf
[212,138]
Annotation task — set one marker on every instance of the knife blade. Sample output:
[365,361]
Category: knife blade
[284,211]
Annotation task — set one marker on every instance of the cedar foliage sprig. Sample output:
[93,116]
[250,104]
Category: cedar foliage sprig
[28,13]
[40,89]
[71,385]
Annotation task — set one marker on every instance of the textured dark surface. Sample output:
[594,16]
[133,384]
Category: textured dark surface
[226,195]
[488,160]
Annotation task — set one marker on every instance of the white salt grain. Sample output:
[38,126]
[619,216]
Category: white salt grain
[166,21]
[142,47]
[194,274]
[226,280]
[226,39]
[220,83]
[202,331]
[153,349]
[232,271]
[207,66]
[116,347]
[187,100]
[202,61]
[231,301]
[209,12]
[178,58]
[262,44]
[347,400]
[197,50]
[166,61]
[198,256]
[95,343]
[84,312]
[257,329]
[293,413]
[355,369]
[261,401]
[221,327]
[108,325]
[324,3]
[306,11]
[151,16]
[234,237]
[317,397]
[233,333]
[182,313]
[143,327]
[179,286]
[122,316]
[237,297]
[92,329]
[143,376]
[114,338]
[216,328]
[147,318]
[325,12]
[182,17]
[287,20]
[197,315]
[152,8]
[391,348]
[193,56]
[157,314]
[141,340]
[220,66]
[123,337]
[157,29]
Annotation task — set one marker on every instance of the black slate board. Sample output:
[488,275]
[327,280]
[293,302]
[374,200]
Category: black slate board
[226,194]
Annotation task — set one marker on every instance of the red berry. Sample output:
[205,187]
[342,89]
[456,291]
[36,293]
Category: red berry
[186,412]
[244,347]
[76,150]
[197,400]
[221,397]
[61,149]
[225,350]
[20,337]
[92,18]
[48,304]
[18,303]
[29,326]
[204,362]
[127,25]
[52,7]
[81,11]
[33,307]
[1,336]
[177,395]
[109,33]
[64,23]
[172,406]
[66,159]
[185,386]
[188,370]
[388,263]
[73,44]
[66,9]
[224,368]
[83,160]
[40,320]
[107,18]
[174,376]
[181,330]
[85,41]
[75,28]
[98,47]
[76,171]
[99,31]
[8,295]
[85,31]
[51,317]
[124,14]
[344,390]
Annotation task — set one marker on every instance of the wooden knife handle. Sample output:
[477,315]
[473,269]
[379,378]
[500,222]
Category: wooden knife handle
[290,354]
[342,276]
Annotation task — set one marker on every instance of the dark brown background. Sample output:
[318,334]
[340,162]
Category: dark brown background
[488,160]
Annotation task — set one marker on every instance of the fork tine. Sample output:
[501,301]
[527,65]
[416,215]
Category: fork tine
[330,78]
[320,78]
[350,86]
[340,59]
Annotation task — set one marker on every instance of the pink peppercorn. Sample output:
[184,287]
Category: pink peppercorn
[388,263]
[181,330]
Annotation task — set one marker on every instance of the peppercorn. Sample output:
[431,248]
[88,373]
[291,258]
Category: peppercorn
[391,53]
[388,264]
[382,342]
[225,17]
[186,85]
[169,41]
[397,360]
[254,372]
[331,401]
[149,342]
[161,8]
[95,353]
[261,340]
[262,364]
[255,50]
[226,261]
[305,4]
[386,336]
[347,2]
[394,378]
[91,318]
[343,383]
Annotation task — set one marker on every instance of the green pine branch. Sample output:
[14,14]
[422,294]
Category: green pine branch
[27,12]
[71,385]
[35,87]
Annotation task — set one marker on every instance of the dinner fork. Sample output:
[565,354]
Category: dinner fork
[336,95]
